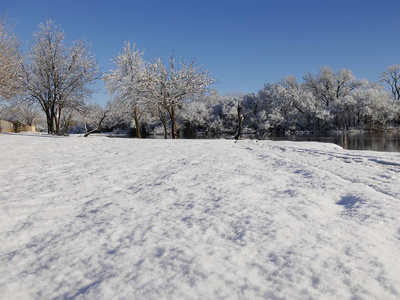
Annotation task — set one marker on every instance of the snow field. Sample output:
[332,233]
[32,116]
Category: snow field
[101,218]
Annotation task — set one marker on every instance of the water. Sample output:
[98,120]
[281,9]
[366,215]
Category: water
[375,141]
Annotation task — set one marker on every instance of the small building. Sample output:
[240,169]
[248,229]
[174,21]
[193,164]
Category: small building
[15,126]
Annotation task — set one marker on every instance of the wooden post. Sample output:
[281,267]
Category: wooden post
[238,134]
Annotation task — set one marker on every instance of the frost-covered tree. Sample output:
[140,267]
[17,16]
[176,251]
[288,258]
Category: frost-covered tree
[332,90]
[29,113]
[211,112]
[58,78]
[116,118]
[9,63]
[391,77]
[373,108]
[196,114]
[217,114]
[140,86]
[329,86]
[299,104]
[95,118]
[129,82]
[288,105]
[170,85]
[226,107]
[253,113]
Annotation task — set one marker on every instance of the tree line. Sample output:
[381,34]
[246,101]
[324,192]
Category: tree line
[53,83]
[59,80]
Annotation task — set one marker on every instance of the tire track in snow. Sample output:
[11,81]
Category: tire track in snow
[384,200]
[387,177]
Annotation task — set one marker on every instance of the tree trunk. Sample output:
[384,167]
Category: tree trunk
[174,128]
[137,123]
[58,121]
[50,129]
[238,134]
[53,121]
[163,118]
[97,129]
[165,129]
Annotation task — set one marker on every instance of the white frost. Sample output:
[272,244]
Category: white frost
[102,218]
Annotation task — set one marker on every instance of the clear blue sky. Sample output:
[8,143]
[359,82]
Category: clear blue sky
[245,44]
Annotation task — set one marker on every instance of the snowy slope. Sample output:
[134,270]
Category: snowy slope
[101,218]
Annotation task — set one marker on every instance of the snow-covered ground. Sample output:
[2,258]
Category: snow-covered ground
[103,218]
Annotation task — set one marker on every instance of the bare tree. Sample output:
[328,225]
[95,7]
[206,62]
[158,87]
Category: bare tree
[129,83]
[392,78]
[28,113]
[330,86]
[173,84]
[97,116]
[138,85]
[9,62]
[58,77]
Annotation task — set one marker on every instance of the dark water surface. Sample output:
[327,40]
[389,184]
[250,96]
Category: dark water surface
[375,141]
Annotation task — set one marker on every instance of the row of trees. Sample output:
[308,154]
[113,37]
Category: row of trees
[59,80]
[328,100]
[55,82]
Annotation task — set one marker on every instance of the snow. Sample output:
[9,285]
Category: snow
[108,218]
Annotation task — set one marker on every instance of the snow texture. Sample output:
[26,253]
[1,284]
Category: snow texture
[102,218]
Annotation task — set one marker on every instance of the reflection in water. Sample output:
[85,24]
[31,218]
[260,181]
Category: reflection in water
[375,141]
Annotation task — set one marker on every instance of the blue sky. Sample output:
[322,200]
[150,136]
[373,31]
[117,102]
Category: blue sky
[244,44]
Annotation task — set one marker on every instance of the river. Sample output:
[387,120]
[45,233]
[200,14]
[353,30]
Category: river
[375,141]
